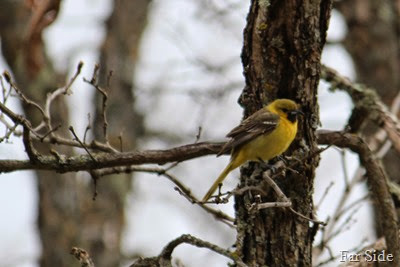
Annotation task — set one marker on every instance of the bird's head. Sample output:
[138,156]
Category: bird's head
[286,108]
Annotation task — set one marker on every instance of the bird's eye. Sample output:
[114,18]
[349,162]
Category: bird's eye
[285,110]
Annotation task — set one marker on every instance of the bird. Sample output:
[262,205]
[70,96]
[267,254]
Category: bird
[264,135]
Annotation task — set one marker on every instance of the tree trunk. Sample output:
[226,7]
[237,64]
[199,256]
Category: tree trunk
[283,41]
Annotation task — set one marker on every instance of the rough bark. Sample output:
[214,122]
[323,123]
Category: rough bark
[373,43]
[283,41]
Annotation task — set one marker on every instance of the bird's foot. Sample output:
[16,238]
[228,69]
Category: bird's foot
[266,166]
[283,159]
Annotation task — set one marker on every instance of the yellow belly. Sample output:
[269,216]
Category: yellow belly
[268,146]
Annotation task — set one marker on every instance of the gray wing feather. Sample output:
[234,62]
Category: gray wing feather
[261,122]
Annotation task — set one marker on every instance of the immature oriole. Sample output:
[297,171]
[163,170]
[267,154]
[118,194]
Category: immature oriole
[262,136]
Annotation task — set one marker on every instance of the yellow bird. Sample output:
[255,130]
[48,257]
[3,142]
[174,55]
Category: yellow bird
[262,136]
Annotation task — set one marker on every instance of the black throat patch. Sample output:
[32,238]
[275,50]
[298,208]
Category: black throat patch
[292,116]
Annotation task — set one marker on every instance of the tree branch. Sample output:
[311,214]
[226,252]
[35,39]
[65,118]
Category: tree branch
[179,186]
[105,160]
[378,184]
[367,103]
[164,259]
[82,256]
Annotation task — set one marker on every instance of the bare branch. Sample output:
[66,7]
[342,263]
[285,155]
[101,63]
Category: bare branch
[283,197]
[267,205]
[30,150]
[327,189]
[82,256]
[94,82]
[327,232]
[6,93]
[88,127]
[26,134]
[71,129]
[23,98]
[56,93]
[378,184]
[105,160]
[164,259]
[180,187]
[9,130]
[366,99]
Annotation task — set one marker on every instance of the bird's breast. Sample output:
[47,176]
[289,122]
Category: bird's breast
[272,144]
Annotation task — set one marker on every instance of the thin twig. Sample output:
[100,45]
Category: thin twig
[350,206]
[24,99]
[71,129]
[284,198]
[344,166]
[83,257]
[182,189]
[103,92]
[6,93]
[56,93]
[327,189]
[366,99]
[344,226]
[88,127]
[166,253]
[266,205]
[26,133]
[9,130]
[198,135]
[50,132]
[275,187]
[121,147]
[95,177]
[334,257]
[378,185]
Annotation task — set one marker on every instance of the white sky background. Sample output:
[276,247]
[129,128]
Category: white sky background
[156,214]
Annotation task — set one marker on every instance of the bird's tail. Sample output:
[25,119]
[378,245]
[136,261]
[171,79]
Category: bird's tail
[219,180]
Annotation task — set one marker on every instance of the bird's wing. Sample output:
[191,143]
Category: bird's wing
[261,122]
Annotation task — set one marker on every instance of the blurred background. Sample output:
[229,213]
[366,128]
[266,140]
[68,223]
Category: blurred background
[177,64]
